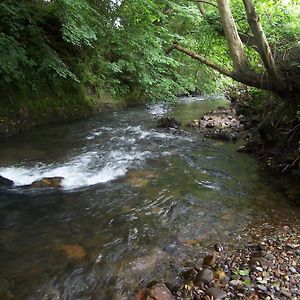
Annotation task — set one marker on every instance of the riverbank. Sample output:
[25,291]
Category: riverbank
[268,267]
[21,113]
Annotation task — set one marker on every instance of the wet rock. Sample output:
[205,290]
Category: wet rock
[5,182]
[170,248]
[55,182]
[160,292]
[216,293]
[168,122]
[74,251]
[204,276]
[139,178]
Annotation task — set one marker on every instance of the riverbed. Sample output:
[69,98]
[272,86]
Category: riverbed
[137,203]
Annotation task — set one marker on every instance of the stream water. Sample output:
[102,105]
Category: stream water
[137,203]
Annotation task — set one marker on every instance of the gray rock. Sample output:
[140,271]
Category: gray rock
[216,293]
[263,288]
[236,283]
[204,276]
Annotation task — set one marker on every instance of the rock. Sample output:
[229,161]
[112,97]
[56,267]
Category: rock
[74,251]
[204,276]
[141,294]
[216,293]
[262,288]
[189,274]
[159,292]
[209,260]
[55,182]
[4,182]
[236,282]
[168,122]
[286,294]
[219,247]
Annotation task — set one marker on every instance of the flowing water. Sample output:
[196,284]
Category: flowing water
[137,203]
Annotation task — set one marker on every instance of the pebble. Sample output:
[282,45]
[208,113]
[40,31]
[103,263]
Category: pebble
[219,247]
[235,282]
[204,276]
[263,288]
[216,293]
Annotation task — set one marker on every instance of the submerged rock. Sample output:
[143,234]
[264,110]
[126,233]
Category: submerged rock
[5,182]
[139,178]
[55,182]
[74,251]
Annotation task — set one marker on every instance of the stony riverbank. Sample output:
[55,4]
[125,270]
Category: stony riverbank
[268,268]
[222,124]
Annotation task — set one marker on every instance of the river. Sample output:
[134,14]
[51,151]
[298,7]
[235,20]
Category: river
[137,203]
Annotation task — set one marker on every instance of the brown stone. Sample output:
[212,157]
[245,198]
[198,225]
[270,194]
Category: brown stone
[141,294]
[48,182]
[160,292]
[209,260]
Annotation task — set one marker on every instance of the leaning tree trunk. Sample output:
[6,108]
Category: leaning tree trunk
[201,8]
[262,44]
[236,47]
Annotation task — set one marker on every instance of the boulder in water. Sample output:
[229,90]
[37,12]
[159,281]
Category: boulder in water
[168,122]
[55,182]
[4,182]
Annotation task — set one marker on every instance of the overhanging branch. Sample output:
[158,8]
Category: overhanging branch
[246,77]
[202,59]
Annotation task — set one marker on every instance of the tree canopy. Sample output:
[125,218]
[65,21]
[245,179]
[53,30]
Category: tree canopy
[119,46]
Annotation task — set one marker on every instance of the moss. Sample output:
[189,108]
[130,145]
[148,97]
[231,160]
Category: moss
[26,109]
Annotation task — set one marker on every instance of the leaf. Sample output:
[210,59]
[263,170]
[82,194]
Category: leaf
[244,272]
[247,282]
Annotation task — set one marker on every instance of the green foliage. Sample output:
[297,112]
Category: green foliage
[118,48]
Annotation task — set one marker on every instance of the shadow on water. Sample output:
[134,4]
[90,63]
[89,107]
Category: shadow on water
[137,203]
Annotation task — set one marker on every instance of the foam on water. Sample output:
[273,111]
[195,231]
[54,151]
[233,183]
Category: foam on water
[84,170]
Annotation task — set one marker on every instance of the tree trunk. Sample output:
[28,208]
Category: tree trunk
[263,47]
[236,48]
[201,8]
